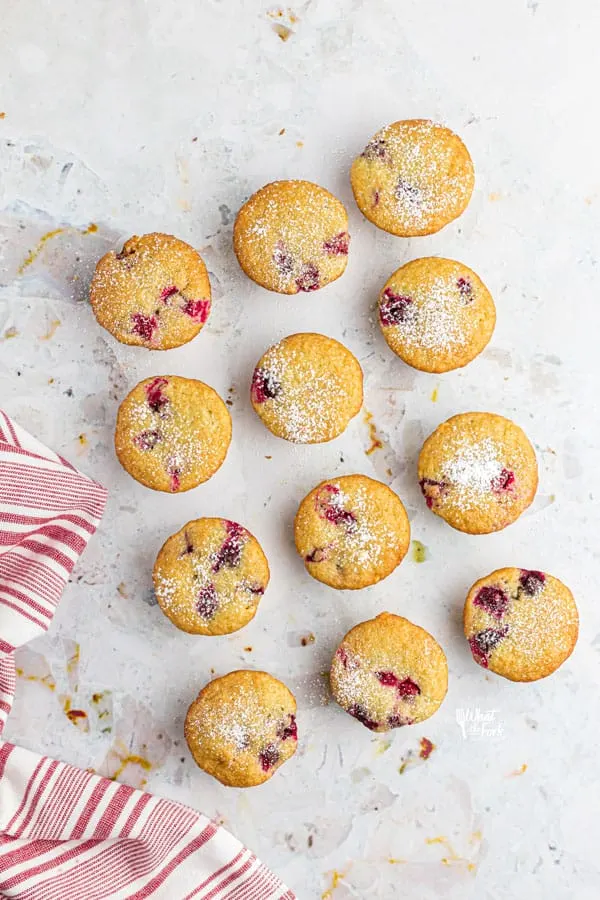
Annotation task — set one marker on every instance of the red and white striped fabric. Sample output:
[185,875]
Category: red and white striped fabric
[67,834]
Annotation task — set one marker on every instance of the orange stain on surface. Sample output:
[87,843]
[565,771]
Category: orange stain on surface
[282,31]
[520,771]
[54,324]
[47,680]
[33,254]
[131,760]
[427,748]
[77,717]
[376,443]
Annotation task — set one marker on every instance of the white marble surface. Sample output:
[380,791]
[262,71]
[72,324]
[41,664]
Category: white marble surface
[145,115]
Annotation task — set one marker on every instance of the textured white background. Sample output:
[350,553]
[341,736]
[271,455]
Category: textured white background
[103,104]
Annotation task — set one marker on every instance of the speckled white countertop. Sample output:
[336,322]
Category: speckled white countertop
[139,116]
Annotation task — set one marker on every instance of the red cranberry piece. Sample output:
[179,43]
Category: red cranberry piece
[283,259]
[427,748]
[168,292]
[147,440]
[342,517]
[207,602]
[230,553]
[504,481]
[143,325]
[319,554]
[397,721]
[342,656]
[405,687]
[338,245]
[156,399]
[484,642]
[308,280]
[127,257]
[393,310]
[189,547]
[465,289]
[268,757]
[375,149]
[175,478]
[288,731]
[360,713]
[256,589]
[329,508]
[376,198]
[198,310]
[532,582]
[493,599]
[432,490]
[264,386]
[409,193]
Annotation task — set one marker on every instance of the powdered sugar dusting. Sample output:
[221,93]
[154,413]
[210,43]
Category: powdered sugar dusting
[472,470]
[314,401]
[412,165]
[288,233]
[435,320]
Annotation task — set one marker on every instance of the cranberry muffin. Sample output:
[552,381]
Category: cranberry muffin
[242,727]
[307,388]
[155,293]
[209,577]
[388,672]
[351,532]
[436,314]
[292,236]
[172,433]
[478,471]
[413,177]
[520,623]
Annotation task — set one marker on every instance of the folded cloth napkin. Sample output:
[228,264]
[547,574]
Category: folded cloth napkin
[67,834]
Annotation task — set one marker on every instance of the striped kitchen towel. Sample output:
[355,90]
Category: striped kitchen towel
[65,833]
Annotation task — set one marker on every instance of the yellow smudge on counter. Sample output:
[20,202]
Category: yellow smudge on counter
[10,333]
[336,877]
[131,760]
[435,394]
[494,196]
[520,771]
[300,144]
[54,324]
[376,443]
[382,747]
[452,859]
[122,590]
[92,228]
[2,115]
[282,31]
[33,254]
[47,680]
[394,861]
[419,552]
